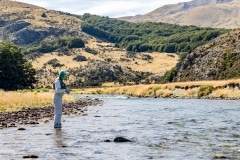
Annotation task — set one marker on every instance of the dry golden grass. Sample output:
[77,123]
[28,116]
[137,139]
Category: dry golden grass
[32,14]
[12,100]
[159,65]
[179,89]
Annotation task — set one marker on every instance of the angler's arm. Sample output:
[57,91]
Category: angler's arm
[58,88]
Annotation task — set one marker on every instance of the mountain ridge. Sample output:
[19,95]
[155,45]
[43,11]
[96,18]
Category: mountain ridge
[201,13]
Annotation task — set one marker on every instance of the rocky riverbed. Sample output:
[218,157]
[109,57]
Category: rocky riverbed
[33,115]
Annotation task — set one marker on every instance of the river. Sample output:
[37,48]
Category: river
[167,129]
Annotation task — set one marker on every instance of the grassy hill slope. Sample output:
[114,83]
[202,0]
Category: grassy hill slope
[31,26]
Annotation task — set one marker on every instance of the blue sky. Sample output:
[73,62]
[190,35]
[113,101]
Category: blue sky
[111,8]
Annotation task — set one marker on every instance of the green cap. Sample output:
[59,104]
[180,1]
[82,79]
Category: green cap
[63,74]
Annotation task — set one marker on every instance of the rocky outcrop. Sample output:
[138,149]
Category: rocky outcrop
[23,33]
[27,25]
[95,73]
[217,60]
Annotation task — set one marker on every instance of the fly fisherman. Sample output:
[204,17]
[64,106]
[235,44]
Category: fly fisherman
[59,90]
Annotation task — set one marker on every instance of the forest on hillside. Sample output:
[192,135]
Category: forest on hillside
[148,36]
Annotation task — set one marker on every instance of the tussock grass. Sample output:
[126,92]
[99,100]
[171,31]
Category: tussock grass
[217,89]
[13,101]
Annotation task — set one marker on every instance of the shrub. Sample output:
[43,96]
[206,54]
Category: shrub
[75,43]
[44,15]
[169,75]
[155,89]
[92,51]
[205,90]
[54,63]
[80,58]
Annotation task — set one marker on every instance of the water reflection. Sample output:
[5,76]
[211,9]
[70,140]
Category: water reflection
[60,140]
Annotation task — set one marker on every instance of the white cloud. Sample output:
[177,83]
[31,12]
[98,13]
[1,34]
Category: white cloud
[111,8]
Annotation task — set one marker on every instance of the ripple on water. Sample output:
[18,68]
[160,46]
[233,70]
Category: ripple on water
[158,129]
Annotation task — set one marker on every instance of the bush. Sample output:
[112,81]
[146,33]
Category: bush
[155,89]
[80,58]
[54,63]
[205,90]
[92,51]
[75,43]
[44,15]
[169,75]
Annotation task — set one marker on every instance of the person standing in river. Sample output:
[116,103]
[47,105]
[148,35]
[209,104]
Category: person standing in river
[59,90]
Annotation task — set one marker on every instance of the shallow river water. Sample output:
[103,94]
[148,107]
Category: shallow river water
[171,129]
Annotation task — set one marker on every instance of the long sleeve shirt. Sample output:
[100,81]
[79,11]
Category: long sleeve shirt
[59,87]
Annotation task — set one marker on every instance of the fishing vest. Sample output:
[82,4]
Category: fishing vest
[63,85]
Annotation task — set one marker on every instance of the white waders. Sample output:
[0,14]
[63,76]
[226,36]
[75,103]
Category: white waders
[59,89]
[57,101]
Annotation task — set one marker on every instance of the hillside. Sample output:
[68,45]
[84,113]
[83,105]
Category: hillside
[148,36]
[217,60]
[100,50]
[202,13]
[25,24]
[32,27]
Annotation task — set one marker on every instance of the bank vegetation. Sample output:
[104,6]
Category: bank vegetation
[226,89]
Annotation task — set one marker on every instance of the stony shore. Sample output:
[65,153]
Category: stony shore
[33,115]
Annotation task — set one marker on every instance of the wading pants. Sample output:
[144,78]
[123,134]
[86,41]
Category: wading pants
[57,100]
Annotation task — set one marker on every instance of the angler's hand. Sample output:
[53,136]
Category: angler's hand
[68,90]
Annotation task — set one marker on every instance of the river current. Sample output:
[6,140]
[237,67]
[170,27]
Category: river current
[166,129]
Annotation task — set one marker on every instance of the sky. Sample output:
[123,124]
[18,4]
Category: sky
[110,8]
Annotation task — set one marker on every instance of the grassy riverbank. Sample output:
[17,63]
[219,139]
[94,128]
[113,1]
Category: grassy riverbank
[227,89]
[15,100]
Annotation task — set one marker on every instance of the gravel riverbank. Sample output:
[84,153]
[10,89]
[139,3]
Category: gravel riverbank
[35,115]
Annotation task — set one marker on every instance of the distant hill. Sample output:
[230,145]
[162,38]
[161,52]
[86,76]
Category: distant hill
[50,39]
[100,50]
[201,13]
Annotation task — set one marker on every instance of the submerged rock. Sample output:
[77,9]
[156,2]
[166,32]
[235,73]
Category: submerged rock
[121,139]
[30,156]
[107,140]
[219,156]
[21,129]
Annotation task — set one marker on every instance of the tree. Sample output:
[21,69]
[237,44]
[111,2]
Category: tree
[15,71]
[75,43]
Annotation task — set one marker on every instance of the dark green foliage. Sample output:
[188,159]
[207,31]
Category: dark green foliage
[75,43]
[148,36]
[44,15]
[80,58]
[92,51]
[54,63]
[169,75]
[15,71]
[228,66]
[205,90]
[46,46]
